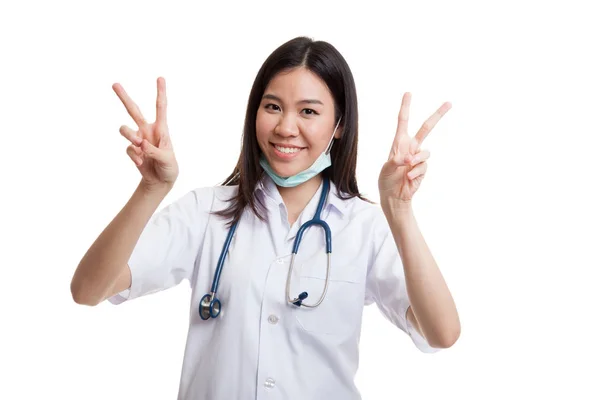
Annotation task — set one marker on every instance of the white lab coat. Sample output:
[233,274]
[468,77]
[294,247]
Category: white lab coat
[260,347]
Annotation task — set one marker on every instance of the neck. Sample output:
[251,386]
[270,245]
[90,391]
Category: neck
[297,197]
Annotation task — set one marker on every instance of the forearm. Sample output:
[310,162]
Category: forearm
[429,296]
[109,254]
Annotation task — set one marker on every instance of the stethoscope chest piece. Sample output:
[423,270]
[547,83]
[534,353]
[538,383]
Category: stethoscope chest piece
[209,307]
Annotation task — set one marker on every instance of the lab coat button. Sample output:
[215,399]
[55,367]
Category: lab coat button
[280,260]
[273,319]
[270,383]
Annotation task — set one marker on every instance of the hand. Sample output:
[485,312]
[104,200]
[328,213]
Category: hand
[405,168]
[151,149]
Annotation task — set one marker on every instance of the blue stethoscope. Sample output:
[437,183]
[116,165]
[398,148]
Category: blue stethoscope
[210,305]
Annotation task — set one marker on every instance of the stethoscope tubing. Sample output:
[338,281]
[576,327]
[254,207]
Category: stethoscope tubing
[210,305]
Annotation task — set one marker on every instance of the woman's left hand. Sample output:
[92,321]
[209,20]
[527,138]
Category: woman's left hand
[405,168]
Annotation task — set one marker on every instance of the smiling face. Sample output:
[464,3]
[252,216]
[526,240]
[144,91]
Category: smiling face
[295,121]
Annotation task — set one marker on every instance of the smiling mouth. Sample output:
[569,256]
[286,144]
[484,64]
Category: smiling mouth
[287,150]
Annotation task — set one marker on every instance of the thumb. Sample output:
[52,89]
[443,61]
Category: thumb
[400,160]
[392,165]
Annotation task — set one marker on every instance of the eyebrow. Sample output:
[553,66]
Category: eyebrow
[307,101]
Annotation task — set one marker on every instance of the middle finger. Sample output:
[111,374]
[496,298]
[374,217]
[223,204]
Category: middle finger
[402,128]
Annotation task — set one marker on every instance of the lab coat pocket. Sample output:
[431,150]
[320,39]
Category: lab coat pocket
[341,309]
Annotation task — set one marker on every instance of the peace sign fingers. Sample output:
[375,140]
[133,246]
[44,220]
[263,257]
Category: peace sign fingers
[431,122]
[132,108]
[402,174]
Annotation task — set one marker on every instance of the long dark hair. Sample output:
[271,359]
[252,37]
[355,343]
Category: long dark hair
[327,63]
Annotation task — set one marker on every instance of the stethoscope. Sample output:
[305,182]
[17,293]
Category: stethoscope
[210,305]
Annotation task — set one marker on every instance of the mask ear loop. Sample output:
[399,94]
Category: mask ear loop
[330,145]
[232,178]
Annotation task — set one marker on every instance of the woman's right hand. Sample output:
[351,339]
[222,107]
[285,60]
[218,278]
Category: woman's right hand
[151,149]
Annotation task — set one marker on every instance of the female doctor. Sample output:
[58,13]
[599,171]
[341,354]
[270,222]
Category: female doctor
[276,307]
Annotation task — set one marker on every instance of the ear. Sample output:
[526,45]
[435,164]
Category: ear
[338,132]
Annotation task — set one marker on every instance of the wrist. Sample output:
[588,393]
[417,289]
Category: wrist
[396,208]
[156,189]
[395,205]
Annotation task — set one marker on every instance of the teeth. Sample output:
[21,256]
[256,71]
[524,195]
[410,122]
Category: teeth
[287,149]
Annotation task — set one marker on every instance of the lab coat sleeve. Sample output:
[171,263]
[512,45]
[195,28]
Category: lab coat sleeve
[169,245]
[386,284]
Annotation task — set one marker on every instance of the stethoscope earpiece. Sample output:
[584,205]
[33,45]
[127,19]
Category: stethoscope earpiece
[298,300]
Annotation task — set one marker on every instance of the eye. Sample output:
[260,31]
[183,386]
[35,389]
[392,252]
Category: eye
[312,112]
[274,107]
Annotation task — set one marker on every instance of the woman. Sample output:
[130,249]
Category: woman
[284,323]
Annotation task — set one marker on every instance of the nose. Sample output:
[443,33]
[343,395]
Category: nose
[287,126]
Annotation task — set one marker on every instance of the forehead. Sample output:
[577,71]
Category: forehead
[299,84]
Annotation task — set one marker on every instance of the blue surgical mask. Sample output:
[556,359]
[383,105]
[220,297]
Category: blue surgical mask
[322,162]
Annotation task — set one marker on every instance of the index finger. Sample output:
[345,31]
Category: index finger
[132,108]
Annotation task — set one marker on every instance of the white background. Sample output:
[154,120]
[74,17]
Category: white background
[509,205]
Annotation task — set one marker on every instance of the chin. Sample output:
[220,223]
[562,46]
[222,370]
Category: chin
[284,169]
[285,172]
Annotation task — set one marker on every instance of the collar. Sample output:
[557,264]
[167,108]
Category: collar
[269,189]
